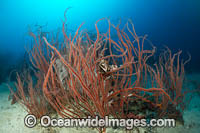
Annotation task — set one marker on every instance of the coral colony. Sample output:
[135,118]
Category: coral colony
[83,76]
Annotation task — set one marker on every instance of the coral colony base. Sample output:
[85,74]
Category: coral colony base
[83,76]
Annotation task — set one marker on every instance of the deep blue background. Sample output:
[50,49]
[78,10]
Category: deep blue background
[175,23]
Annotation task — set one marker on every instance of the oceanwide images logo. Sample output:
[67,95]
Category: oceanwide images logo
[46,121]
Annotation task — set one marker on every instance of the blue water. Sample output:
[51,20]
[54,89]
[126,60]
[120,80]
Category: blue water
[174,23]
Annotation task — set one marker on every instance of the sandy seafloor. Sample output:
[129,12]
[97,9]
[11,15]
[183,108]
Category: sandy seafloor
[12,117]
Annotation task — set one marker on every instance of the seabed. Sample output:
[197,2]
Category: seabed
[12,117]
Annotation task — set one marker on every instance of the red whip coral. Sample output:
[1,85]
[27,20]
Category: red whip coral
[105,76]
